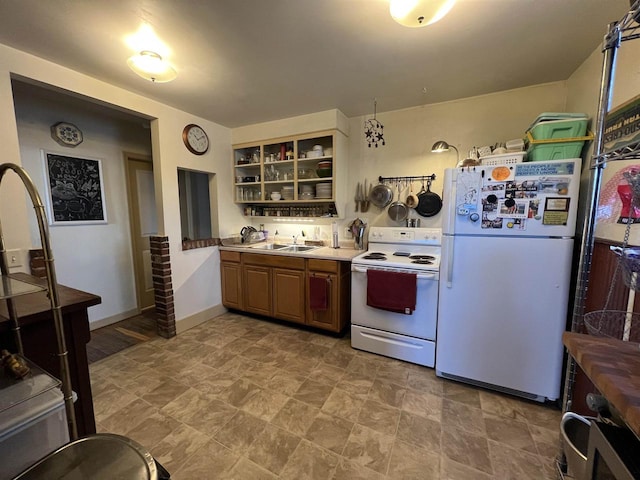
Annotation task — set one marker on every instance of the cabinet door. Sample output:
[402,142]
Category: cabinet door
[326,319]
[231,285]
[257,289]
[289,294]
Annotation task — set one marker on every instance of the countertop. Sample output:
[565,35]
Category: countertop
[613,366]
[343,254]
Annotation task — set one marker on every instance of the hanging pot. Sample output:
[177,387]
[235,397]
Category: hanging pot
[381,195]
[398,210]
[429,203]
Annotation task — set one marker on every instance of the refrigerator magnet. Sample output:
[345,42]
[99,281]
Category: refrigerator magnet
[556,211]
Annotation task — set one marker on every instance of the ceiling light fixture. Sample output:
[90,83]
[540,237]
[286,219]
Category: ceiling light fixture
[419,13]
[441,146]
[151,66]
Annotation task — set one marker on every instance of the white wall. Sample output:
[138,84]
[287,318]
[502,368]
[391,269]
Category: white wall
[95,258]
[195,273]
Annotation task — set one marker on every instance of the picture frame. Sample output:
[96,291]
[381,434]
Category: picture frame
[74,189]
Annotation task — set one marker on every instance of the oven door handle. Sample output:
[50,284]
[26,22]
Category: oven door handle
[420,276]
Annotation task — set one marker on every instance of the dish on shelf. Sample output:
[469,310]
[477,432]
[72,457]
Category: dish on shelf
[324,172]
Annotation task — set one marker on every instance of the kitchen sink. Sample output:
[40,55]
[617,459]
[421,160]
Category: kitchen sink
[298,248]
[270,246]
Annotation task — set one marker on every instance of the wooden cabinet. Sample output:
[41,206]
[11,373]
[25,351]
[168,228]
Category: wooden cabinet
[289,166]
[257,289]
[338,278]
[289,294]
[231,279]
[278,286]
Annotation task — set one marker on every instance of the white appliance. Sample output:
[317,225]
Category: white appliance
[507,244]
[409,337]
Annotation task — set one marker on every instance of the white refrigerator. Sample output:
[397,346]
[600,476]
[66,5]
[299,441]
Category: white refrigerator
[505,271]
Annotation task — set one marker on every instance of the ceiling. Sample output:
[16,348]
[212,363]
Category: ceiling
[246,61]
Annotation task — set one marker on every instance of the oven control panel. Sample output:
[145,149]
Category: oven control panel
[413,236]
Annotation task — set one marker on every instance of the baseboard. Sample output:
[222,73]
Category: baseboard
[103,322]
[196,319]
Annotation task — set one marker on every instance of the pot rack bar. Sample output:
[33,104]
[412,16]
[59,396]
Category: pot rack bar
[419,178]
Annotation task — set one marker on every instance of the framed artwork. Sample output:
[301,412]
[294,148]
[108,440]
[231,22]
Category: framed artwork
[74,189]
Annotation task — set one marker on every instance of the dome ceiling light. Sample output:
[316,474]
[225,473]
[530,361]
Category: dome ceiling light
[151,66]
[419,13]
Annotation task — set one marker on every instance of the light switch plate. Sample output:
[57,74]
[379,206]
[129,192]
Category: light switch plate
[14,258]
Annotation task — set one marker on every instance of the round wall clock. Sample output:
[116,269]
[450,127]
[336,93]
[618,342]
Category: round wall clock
[66,134]
[195,139]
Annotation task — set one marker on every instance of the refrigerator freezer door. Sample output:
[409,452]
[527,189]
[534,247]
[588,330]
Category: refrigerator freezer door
[501,320]
[525,200]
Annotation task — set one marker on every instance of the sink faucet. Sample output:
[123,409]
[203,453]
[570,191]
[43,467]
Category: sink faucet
[295,239]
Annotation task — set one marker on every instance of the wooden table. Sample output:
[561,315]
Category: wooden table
[614,368]
[39,339]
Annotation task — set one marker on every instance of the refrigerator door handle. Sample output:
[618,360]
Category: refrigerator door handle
[449,249]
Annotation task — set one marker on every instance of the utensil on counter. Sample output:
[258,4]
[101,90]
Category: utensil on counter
[357,197]
[429,203]
[381,195]
[398,210]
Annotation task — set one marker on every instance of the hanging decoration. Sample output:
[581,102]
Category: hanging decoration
[373,129]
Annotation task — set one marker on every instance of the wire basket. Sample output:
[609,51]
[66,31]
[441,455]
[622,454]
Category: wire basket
[618,324]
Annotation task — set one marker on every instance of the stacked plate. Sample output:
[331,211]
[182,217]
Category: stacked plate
[287,192]
[323,190]
[306,192]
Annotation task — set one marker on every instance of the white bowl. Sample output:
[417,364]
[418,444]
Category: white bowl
[276,196]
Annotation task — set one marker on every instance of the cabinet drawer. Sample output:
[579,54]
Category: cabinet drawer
[273,261]
[226,256]
[322,265]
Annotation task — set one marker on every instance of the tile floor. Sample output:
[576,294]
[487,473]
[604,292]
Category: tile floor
[244,398]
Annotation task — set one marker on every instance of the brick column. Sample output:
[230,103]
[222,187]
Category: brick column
[36,263]
[163,288]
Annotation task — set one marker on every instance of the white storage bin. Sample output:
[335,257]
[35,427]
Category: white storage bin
[31,429]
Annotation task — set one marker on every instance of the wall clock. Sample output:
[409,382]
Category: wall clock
[66,134]
[195,139]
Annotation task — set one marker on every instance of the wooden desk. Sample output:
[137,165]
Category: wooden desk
[39,340]
[614,368]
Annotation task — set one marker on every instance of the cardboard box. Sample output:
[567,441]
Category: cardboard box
[622,125]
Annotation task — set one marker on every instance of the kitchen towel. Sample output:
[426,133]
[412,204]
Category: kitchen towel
[318,293]
[392,291]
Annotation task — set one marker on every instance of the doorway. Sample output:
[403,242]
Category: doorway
[144,223]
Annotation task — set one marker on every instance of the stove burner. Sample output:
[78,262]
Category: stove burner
[401,254]
[422,257]
[373,256]
[422,261]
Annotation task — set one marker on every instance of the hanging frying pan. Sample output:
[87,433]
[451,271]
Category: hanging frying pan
[381,195]
[398,210]
[429,203]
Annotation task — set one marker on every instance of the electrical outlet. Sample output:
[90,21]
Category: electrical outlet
[14,258]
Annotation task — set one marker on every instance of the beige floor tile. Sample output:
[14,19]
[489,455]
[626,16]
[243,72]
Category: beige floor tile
[364,367]
[512,464]
[111,400]
[356,383]
[462,393]
[423,404]
[155,428]
[213,460]
[450,470]
[503,405]
[174,450]
[265,404]
[273,448]
[338,358]
[387,392]
[510,432]
[325,373]
[284,382]
[425,381]
[368,448]
[379,417]
[239,392]
[164,393]
[542,415]
[313,393]
[420,431]
[296,417]
[240,432]
[466,448]
[237,366]
[409,462]
[392,372]
[350,470]
[245,469]
[461,415]
[343,404]
[198,411]
[329,432]
[310,462]
[128,417]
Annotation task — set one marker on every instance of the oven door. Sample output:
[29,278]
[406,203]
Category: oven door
[421,324]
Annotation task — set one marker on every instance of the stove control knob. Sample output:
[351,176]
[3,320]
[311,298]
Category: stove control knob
[474,217]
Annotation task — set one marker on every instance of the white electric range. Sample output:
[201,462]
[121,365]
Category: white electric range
[410,337]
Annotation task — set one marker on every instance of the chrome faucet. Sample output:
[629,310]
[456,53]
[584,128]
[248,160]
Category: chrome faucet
[295,239]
